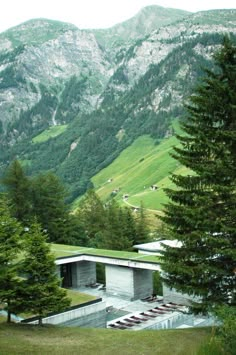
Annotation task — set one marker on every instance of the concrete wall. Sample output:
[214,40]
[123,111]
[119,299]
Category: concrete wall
[128,283]
[83,273]
[143,283]
[93,315]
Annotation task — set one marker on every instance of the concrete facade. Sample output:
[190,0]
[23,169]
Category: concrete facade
[83,273]
[128,283]
[88,316]
[77,274]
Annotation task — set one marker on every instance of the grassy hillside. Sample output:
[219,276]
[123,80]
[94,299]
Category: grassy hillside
[49,133]
[23,339]
[136,169]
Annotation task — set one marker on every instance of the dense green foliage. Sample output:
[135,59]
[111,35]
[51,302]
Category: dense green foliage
[104,226]
[42,196]
[10,244]
[17,185]
[42,293]
[30,284]
[202,210]
[111,226]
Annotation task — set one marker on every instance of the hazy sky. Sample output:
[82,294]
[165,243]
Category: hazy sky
[93,13]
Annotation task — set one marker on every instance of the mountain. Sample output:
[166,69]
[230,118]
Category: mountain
[122,35]
[72,100]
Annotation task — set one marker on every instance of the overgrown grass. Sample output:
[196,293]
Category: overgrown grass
[49,133]
[25,339]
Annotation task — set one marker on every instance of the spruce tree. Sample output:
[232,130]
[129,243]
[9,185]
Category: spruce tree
[202,209]
[17,185]
[42,291]
[142,230]
[117,238]
[92,216]
[10,237]
[48,204]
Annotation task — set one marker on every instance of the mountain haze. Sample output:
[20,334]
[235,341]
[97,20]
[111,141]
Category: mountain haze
[91,93]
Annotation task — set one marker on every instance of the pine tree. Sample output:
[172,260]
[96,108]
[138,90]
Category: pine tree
[42,291]
[129,226]
[48,204]
[18,188]
[117,239]
[142,231]
[202,210]
[10,237]
[92,216]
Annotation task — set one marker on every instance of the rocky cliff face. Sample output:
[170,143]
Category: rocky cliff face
[33,55]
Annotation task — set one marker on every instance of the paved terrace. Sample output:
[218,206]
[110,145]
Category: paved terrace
[69,254]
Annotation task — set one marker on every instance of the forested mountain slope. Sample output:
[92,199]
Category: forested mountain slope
[104,93]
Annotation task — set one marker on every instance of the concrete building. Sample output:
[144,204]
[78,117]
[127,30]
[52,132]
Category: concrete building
[128,275]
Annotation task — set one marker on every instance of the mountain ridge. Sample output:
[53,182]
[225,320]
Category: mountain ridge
[105,98]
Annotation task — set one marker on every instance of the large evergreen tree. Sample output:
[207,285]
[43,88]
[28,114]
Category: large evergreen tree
[202,209]
[92,216]
[18,188]
[142,230]
[10,237]
[48,201]
[42,291]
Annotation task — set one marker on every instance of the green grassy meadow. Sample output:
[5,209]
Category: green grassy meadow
[137,168]
[25,339]
[49,133]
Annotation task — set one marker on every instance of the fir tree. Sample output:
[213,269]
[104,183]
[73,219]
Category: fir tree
[10,237]
[202,210]
[129,226]
[48,201]
[42,291]
[117,238]
[18,188]
[92,216]
[142,231]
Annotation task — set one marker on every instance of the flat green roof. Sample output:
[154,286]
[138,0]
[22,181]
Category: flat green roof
[62,250]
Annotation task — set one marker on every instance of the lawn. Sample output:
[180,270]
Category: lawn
[79,297]
[25,339]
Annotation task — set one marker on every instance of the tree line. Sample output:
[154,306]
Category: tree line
[93,224]
[28,280]
[33,213]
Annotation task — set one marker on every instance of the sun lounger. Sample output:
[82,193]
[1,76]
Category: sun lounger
[156,311]
[140,318]
[125,324]
[148,315]
[133,320]
[168,308]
